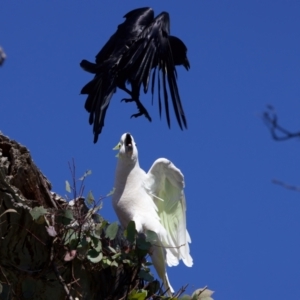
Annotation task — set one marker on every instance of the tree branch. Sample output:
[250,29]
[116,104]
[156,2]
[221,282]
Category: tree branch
[278,132]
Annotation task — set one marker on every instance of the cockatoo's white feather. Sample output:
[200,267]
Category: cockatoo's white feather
[154,201]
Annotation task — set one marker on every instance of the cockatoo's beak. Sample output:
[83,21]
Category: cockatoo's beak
[125,146]
[117,147]
[128,143]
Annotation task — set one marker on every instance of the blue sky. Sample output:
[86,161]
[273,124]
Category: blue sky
[244,55]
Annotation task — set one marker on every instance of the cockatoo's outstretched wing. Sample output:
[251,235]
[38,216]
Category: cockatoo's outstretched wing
[165,183]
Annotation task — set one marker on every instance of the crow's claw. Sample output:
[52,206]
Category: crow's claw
[140,114]
[141,108]
[126,100]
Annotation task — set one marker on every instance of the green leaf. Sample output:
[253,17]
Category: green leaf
[71,235]
[202,294]
[186,297]
[114,263]
[74,242]
[68,214]
[130,232]
[97,218]
[137,295]
[88,172]
[68,187]
[111,192]
[112,230]
[151,237]
[153,287]
[90,198]
[105,262]
[38,213]
[65,217]
[97,245]
[94,256]
[127,261]
[116,255]
[84,242]
[145,275]
[82,247]
[142,244]
[98,229]
[112,249]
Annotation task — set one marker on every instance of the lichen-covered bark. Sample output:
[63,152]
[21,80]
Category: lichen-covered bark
[24,244]
[32,264]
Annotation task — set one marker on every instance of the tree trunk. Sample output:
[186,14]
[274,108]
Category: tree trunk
[45,243]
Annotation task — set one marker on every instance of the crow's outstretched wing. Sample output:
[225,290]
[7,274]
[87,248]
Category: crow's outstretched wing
[101,89]
[155,51]
[126,34]
[140,51]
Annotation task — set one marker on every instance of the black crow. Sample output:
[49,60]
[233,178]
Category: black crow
[140,45]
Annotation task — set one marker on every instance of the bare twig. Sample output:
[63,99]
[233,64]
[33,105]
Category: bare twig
[61,280]
[181,291]
[286,185]
[278,132]
[205,288]
[7,282]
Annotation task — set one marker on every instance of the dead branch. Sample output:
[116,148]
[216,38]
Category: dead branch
[278,132]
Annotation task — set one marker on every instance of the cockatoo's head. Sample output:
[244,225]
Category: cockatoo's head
[127,147]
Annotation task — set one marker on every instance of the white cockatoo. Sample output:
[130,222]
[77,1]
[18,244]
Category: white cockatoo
[154,201]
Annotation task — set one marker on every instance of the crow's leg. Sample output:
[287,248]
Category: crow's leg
[135,98]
